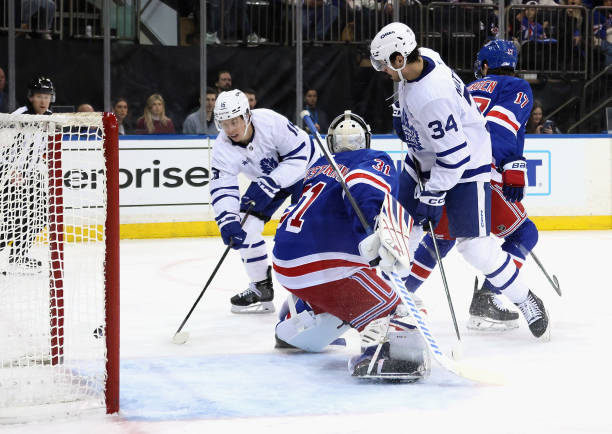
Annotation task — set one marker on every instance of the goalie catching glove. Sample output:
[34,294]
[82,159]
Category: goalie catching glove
[514,171]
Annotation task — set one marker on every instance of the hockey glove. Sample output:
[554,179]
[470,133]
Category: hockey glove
[514,171]
[232,234]
[371,248]
[262,192]
[429,208]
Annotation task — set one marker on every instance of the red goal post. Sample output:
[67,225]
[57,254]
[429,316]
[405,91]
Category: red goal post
[59,265]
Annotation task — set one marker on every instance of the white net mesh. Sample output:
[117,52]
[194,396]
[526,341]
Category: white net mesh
[52,256]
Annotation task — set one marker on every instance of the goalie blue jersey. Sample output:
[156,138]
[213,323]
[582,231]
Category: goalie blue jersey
[506,103]
[317,238]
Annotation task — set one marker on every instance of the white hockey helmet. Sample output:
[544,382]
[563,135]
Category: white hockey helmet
[231,104]
[348,132]
[393,38]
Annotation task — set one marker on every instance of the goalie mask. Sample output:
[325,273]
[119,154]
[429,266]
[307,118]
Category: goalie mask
[348,132]
[232,104]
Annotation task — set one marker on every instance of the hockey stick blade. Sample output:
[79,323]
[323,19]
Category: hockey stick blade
[460,369]
[553,281]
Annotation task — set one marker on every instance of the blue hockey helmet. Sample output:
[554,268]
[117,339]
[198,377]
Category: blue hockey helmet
[498,53]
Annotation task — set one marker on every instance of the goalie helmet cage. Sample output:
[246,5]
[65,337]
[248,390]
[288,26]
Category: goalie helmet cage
[59,265]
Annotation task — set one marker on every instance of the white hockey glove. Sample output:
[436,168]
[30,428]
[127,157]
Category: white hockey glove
[371,248]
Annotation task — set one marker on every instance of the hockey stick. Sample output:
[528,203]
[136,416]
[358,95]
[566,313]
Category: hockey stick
[182,337]
[398,286]
[554,282]
[459,351]
[391,231]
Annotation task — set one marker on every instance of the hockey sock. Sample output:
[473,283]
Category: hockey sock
[425,261]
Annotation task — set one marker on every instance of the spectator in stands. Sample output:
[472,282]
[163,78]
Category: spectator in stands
[224,81]
[535,124]
[250,93]
[120,109]
[154,119]
[318,116]
[602,26]
[38,15]
[530,29]
[85,108]
[3,94]
[202,121]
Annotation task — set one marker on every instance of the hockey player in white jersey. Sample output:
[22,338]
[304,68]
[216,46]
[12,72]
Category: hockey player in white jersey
[274,154]
[450,150]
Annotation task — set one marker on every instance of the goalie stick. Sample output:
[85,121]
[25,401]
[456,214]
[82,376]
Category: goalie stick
[400,251]
[391,229]
[181,337]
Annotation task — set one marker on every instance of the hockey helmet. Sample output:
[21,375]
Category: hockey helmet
[41,85]
[498,53]
[348,132]
[393,38]
[231,104]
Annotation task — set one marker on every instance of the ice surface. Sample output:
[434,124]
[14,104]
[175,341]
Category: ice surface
[229,378]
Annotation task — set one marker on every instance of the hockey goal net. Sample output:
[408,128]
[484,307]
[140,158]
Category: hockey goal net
[59,265]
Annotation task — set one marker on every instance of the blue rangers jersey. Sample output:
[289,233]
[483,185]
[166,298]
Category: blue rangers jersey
[317,239]
[442,127]
[506,103]
[277,149]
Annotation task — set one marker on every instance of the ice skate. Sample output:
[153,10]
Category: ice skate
[487,313]
[257,298]
[392,349]
[534,312]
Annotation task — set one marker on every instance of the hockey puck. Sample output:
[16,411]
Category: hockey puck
[98,332]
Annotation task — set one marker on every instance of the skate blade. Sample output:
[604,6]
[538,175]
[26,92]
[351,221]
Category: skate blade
[488,325]
[261,307]
[396,378]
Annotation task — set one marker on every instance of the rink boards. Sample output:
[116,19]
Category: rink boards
[164,183]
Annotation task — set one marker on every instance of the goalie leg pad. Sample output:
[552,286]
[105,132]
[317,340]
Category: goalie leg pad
[310,332]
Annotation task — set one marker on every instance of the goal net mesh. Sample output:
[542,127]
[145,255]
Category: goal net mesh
[52,264]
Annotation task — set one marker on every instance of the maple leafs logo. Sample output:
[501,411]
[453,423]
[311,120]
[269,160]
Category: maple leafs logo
[268,165]
[411,134]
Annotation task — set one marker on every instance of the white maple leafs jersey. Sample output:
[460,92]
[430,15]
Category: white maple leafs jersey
[443,128]
[278,149]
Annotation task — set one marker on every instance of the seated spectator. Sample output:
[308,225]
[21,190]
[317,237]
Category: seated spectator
[535,124]
[318,116]
[202,121]
[252,96]
[3,94]
[85,108]
[530,28]
[120,109]
[224,81]
[154,119]
[38,15]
